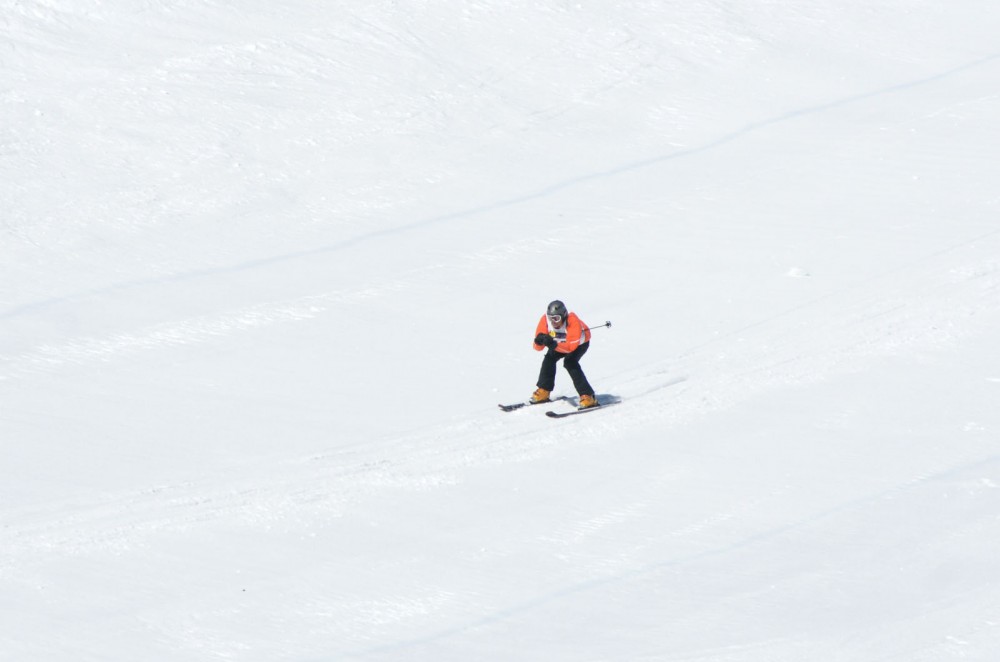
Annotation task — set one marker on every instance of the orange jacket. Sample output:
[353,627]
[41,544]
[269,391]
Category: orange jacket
[573,333]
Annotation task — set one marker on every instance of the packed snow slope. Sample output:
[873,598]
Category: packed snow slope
[267,267]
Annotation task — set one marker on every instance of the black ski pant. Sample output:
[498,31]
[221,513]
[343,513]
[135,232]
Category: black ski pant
[571,361]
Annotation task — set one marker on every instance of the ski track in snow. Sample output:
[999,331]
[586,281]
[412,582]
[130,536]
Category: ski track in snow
[881,315]
[509,202]
[48,358]
[126,522]
[440,457]
[605,572]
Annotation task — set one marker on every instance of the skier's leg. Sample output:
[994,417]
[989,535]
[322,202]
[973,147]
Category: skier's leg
[547,374]
[572,365]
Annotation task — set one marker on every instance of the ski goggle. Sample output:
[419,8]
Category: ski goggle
[555,319]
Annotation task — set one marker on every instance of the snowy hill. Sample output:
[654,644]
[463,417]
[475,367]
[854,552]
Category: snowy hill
[266,268]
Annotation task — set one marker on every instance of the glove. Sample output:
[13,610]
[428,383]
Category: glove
[542,339]
[550,342]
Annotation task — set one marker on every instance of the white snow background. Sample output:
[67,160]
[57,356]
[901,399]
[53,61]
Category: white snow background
[267,267]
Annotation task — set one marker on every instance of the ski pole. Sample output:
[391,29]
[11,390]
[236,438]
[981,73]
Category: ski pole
[600,326]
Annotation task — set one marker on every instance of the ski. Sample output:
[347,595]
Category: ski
[564,414]
[516,405]
[528,403]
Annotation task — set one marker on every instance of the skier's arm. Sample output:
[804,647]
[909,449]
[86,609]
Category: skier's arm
[541,329]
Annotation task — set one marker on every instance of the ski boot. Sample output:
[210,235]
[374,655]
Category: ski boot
[540,395]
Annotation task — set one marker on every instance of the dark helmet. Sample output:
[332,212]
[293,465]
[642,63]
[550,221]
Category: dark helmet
[557,309]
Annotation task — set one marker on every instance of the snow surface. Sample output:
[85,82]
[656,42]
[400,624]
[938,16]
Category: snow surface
[266,268]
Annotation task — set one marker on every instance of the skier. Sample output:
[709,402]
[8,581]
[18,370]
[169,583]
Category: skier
[566,337]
